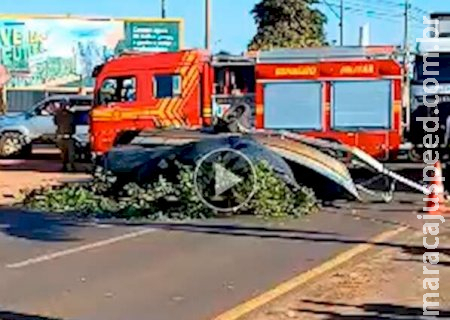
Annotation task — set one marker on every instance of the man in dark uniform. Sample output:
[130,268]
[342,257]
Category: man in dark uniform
[65,122]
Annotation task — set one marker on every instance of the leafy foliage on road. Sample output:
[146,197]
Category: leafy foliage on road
[273,198]
[287,24]
[104,196]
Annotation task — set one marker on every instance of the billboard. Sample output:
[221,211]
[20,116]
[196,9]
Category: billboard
[52,51]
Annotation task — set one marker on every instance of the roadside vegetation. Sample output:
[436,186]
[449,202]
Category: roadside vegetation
[106,197]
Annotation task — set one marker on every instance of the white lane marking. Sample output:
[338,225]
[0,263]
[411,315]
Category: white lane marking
[104,226]
[86,247]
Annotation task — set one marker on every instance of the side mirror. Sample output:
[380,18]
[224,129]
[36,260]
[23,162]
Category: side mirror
[30,114]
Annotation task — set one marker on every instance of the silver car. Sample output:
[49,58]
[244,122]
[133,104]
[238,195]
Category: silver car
[18,132]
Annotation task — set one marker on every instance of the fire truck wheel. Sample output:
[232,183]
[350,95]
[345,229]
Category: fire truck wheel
[12,144]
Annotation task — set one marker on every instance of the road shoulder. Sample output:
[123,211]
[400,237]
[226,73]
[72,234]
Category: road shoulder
[385,283]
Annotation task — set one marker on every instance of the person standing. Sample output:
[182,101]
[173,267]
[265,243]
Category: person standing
[65,123]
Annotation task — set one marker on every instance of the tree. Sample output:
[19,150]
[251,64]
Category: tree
[287,24]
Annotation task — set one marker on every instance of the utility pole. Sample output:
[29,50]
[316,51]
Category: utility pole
[341,22]
[208,24]
[406,60]
[406,26]
[163,9]
[339,16]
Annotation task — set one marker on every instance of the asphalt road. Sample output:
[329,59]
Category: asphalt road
[55,268]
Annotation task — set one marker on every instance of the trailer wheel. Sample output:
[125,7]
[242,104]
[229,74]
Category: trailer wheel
[12,144]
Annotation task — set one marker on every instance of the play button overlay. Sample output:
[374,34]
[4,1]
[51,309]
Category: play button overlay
[225,180]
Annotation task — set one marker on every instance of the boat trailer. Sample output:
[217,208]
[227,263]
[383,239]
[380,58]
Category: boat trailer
[356,157]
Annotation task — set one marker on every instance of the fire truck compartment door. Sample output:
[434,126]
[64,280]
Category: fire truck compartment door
[293,105]
[361,104]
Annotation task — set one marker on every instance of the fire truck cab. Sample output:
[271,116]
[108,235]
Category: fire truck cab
[141,91]
[351,95]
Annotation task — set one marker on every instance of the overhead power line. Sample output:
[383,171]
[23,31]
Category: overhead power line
[352,7]
[373,11]
[377,8]
[389,11]
[339,15]
[331,7]
[420,10]
[389,3]
[365,5]
[381,6]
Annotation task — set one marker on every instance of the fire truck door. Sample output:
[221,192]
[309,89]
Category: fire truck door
[113,99]
[168,97]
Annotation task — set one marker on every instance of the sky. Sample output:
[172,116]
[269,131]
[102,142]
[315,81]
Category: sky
[232,23]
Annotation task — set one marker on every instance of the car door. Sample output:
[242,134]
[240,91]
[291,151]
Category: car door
[81,109]
[41,122]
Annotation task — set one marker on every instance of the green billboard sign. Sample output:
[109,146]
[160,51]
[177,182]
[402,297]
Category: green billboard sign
[59,51]
[17,45]
[152,36]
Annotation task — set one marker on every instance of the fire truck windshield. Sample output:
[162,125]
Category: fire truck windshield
[431,64]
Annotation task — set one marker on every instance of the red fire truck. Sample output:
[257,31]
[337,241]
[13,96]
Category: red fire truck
[351,95]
